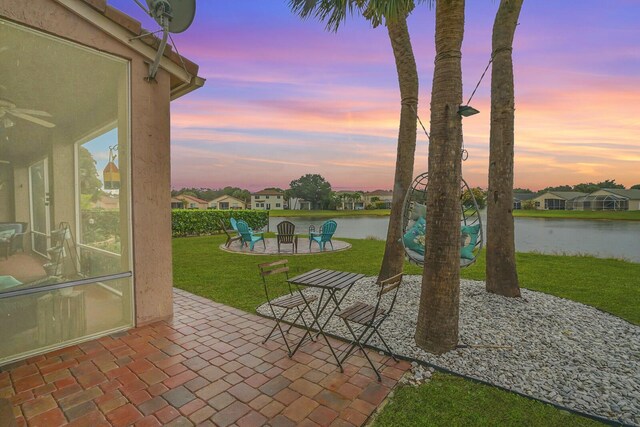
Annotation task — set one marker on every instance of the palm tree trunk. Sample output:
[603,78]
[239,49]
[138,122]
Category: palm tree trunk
[393,260]
[502,276]
[437,328]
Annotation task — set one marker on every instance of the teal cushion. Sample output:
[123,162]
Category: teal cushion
[414,237]
[6,235]
[469,238]
[7,282]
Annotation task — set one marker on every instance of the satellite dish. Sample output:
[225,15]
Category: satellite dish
[180,13]
[173,16]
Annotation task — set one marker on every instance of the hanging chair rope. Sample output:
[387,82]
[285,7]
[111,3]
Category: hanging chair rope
[481,77]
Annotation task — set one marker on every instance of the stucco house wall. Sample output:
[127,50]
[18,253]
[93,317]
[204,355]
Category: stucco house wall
[230,201]
[150,151]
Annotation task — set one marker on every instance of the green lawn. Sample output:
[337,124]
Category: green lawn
[202,268]
[623,215]
[328,214]
[448,400]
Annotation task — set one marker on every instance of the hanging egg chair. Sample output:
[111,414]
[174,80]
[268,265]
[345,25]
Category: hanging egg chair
[415,217]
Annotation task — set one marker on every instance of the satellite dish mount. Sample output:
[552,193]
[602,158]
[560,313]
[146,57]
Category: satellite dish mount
[173,16]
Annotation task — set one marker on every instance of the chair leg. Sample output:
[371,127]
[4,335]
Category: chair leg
[301,317]
[277,325]
[264,244]
[385,344]
[331,243]
[357,342]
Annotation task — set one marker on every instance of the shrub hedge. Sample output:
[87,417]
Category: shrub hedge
[196,222]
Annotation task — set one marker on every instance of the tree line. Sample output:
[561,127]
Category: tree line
[585,187]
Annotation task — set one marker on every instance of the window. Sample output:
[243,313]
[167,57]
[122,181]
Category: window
[554,204]
[277,197]
[266,197]
[277,205]
[66,202]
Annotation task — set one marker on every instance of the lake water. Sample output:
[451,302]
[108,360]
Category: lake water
[603,239]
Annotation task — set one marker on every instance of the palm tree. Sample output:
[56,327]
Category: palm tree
[437,328]
[393,260]
[502,276]
[356,197]
[393,13]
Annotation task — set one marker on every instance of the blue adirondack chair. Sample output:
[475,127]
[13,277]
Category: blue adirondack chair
[324,235]
[248,236]
[234,225]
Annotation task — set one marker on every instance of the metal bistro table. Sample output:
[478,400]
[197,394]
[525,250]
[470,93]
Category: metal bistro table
[330,282]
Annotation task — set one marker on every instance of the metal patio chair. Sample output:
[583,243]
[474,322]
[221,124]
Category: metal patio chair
[294,299]
[287,235]
[369,318]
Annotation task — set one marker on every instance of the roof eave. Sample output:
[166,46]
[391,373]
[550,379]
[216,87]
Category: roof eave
[113,22]
[185,88]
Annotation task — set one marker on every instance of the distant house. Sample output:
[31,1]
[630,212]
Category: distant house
[608,199]
[225,202]
[298,204]
[267,200]
[192,202]
[176,203]
[348,202]
[556,200]
[385,196]
[518,198]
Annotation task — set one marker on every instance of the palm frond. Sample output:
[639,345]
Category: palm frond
[332,12]
[335,12]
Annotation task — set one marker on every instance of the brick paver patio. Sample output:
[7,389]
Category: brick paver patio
[206,367]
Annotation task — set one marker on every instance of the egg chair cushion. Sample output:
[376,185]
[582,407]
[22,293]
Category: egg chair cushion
[413,239]
[468,240]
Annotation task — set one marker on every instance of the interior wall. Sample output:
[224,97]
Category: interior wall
[6,195]
[21,193]
[63,202]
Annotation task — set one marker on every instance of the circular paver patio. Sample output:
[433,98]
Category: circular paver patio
[272,247]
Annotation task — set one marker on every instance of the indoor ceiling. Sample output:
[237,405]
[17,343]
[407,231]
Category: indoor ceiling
[77,86]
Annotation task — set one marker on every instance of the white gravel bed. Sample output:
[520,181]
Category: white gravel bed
[554,349]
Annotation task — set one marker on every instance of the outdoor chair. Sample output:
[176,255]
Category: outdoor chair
[286,235]
[324,235]
[294,299]
[369,318]
[230,239]
[234,225]
[247,235]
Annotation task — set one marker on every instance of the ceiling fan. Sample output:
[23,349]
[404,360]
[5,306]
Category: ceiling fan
[8,108]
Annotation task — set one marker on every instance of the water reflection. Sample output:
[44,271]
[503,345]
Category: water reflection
[603,239]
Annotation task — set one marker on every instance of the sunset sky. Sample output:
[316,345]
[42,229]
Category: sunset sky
[284,97]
